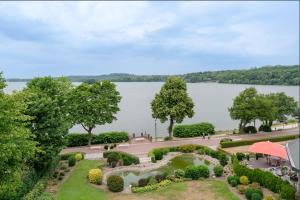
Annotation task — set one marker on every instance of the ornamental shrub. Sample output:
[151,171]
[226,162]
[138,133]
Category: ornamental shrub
[143,182]
[240,156]
[250,191]
[151,187]
[242,188]
[195,172]
[265,128]
[95,175]
[225,140]
[256,196]
[71,161]
[113,157]
[158,154]
[250,129]
[193,130]
[160,177]
[179,173]
[188,148]
[78,157]
[67,155]
[244,180]
[218,170]
[115,183]
[268,197]
[128,159]
[151,180]
[153,159]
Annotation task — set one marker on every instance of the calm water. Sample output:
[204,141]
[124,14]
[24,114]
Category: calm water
[211,104]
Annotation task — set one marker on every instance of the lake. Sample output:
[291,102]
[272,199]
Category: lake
[211,104]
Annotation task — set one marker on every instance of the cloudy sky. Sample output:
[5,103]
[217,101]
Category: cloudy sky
[89,38]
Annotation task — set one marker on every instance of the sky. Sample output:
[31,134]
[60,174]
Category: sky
[140,37]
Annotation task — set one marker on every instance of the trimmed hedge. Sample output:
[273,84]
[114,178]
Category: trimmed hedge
[193,130]
[128,159]
[265,179]
[115,183]
[196,172]
[249,142]
[151,187]
[67,155]
[81,139]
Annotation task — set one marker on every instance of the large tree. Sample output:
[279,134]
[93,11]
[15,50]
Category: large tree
[47,105]
[172,103]
[94,104]
[16,145]
[243,107]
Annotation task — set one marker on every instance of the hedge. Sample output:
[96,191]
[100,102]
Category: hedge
[128,159]
[249,142]
[193,130]
[67,155]
[115,183]
[151,187]
[265,179]
[81,139]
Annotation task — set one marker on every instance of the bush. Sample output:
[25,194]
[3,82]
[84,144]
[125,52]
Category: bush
[75,139]
[153,160]
[167,138]
[287,191]
[256,196]
[158,154]
[240,156]
[195,172]
[106,147]
[225,140]
[127,158]
[250,191]
[71,161]
[113,158]
[78,157]
[193,130]
[255,185]
[151,180]
[250,129]
[63,166]
[265,128]
[244,180]
[143,182]
[179,173]
[160,177]
[242,189]
[188,148]
[268,197]
[234,183]
[233,180]
[95,175]
[151,187]
[115,183]
[218,170]
[67,155]
[249,142]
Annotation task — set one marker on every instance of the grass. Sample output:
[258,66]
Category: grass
[222,189]
[76,187]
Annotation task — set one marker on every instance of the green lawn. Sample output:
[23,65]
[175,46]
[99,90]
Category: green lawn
[222,189]
[76,187]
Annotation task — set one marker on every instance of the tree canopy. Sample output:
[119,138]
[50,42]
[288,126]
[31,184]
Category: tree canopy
[94,104]
[172,102]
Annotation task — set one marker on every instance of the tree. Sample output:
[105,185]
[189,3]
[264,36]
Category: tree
[94,104]
[16,144]
[296,115]
[265,109]
[172,103]
[243,108]
[47,105]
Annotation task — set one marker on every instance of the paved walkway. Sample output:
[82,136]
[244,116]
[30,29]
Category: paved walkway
[142,149]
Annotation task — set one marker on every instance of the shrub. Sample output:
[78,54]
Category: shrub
[195,172]
[106,147]
[287,191]
[152,180]
[206,162]
[67,155]
[61,174]
[115,183]
[111,146]
[151,187]
[256,196]
[268,197]
[250,129]
[179,173]
[71,161]
[223,159]
[255,185]
[95,175]
[242,189]
[265,128]
[233,180]
[160,177]
[143,182]
[158,154]
[64,166]
[250,191]
[225,140]
[129,159]
[75,139]
[78,157]
[244,180]
[113,157]
[218,170]
[193,130]
[153,159]
[188,148]
[167,138]
[240,156]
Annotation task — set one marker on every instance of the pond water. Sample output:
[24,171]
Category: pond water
[179,162]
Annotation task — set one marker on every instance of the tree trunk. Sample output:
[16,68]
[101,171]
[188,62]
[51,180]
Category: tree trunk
[241,127]
[90,136]
[171,127]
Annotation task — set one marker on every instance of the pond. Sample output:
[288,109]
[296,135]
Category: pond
[179,162]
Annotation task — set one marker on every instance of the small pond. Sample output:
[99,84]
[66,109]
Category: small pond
[179,162]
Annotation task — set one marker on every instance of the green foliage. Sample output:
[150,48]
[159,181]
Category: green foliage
[17,147]
[94,104]
[78,156]
[244,180]
[196,172]
[151,187]
[179,173]
[242,189]
[188,148]
[143,182]
[218,170]
[240,156]
[233,180]
[172,103]
[76,139]
[67,155]
[249,142]
[37,191]
[158,154]
[193,130]
[71,161]
[115,183]
[258,194]
[127,159]
[250,129]
[265,128]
